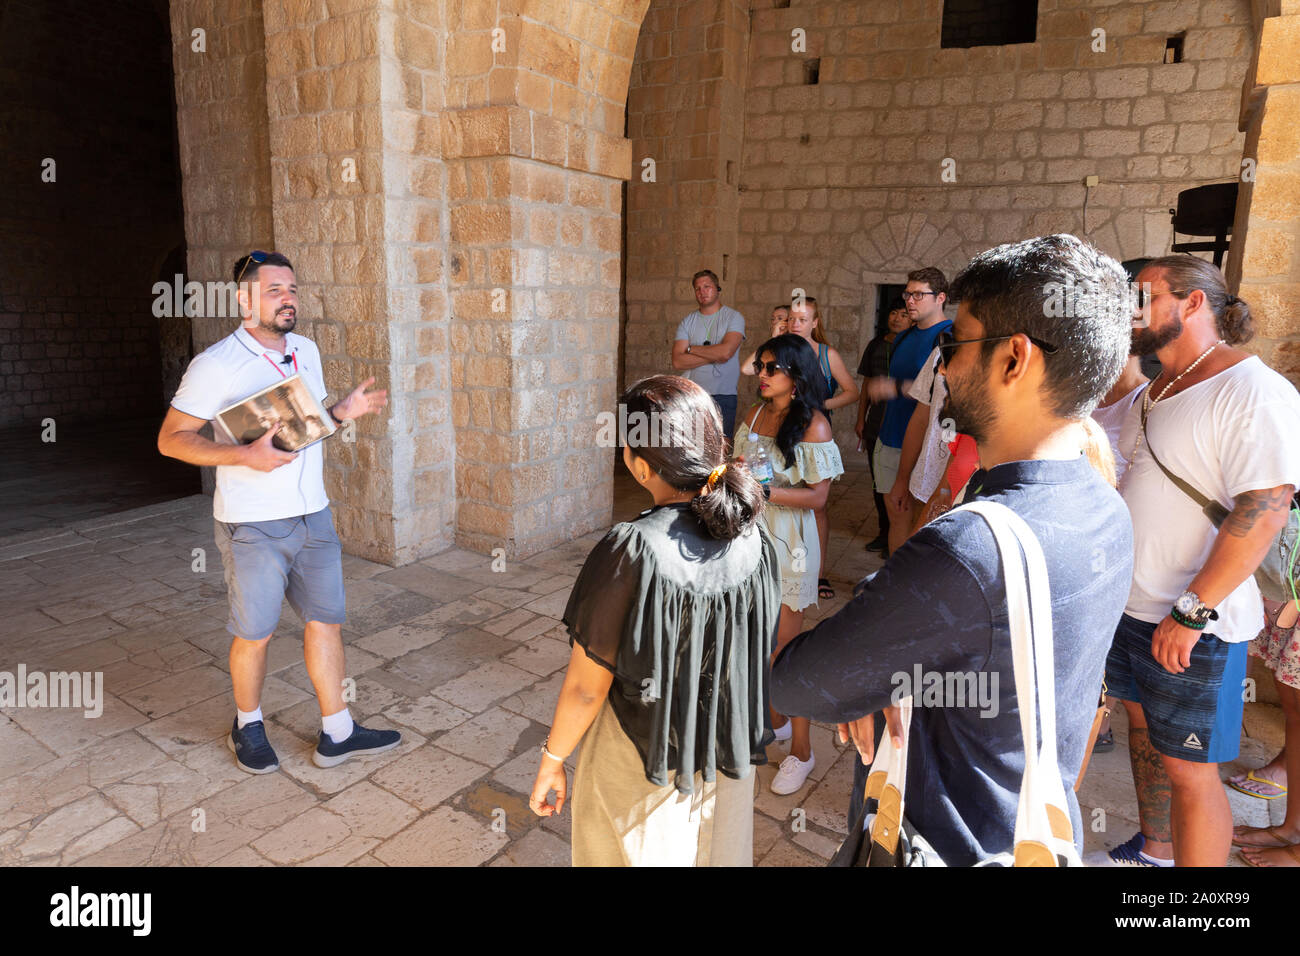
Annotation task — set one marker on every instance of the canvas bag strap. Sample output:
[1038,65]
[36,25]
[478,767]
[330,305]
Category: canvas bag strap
[1043,832]
[887,783]
[1212,509]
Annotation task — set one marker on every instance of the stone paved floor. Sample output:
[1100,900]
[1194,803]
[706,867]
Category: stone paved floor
[466,661]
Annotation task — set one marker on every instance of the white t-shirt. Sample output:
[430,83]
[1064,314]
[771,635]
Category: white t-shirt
[717,378]
[1224,436]
[933,460]
[228,372]
[1111,419]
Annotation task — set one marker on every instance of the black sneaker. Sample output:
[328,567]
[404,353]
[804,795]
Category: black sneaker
[252,750]
[362,741]
[878,543]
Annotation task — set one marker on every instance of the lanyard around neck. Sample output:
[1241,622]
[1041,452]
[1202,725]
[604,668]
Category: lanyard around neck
[276,365]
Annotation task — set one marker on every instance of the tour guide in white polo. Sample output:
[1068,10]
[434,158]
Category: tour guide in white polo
[273,522]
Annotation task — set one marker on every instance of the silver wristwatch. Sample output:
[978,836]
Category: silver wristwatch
[1193,611]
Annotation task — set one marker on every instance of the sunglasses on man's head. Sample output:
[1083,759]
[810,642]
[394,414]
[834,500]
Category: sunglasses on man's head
[258,256]
[947,342]
[771,367]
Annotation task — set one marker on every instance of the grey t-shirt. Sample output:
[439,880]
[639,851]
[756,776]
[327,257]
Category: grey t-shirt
[718,378]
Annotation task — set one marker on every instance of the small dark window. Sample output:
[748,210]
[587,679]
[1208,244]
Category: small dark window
[731,172]
[782,4]
[726,261]
[988,22]
[811,71]
[1174,48]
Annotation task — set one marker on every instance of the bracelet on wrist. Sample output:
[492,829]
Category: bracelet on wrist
[1186,621]
[547,753]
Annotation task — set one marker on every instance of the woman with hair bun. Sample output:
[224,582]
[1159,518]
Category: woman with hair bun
[672,621]
[791,431]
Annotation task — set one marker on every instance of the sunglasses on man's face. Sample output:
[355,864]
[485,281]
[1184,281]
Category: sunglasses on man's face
[771,367]
[947,342]
[1144,296]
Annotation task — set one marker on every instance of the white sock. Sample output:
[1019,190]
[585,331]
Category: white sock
[246,717]
[338,726]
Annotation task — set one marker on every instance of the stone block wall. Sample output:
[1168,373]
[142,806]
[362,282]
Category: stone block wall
[328,201]
[841,183]
[79,254]
[220,95]
[686,116]
[1264,266]
[535,157]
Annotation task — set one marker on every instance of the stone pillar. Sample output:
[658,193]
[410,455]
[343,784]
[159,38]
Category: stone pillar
[535,159]
[224,141]
[1263,263]
[354,93]
[686,107]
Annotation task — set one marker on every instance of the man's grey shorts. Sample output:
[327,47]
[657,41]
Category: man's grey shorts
[267,561]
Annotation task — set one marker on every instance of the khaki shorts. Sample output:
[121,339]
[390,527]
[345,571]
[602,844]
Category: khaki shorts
[884,466]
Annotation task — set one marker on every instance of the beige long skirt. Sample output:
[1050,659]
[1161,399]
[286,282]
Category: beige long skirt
[621,819]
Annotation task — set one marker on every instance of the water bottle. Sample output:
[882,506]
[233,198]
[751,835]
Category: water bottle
[761,466]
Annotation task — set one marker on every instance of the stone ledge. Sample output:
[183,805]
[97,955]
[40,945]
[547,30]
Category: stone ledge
[514,131]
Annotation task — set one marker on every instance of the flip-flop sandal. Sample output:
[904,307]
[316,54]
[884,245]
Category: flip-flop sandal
[1292,850]
[824,590]
[1280,844]
[1262,781]
[1105,743]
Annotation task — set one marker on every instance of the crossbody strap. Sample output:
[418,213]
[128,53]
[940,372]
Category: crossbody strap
[1212,509]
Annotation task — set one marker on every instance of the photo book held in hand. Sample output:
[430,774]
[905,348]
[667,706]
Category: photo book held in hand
[303,419]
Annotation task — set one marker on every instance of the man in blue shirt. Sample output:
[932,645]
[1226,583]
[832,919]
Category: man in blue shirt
[925,296]
[1020,383]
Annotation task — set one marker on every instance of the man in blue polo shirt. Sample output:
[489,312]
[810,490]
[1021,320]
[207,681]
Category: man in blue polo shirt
[1020,382]
[273,523]
[925,296]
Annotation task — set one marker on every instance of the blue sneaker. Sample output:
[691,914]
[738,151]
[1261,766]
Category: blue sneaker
[252,750]
[363,741]
[1127,854]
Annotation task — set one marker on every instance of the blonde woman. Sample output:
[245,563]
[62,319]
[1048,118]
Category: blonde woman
[806,322]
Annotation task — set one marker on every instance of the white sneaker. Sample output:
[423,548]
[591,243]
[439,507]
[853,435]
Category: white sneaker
[792,774]
[784,732]
[1126,854]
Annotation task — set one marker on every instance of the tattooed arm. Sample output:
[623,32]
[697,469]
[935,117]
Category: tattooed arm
[1244,538]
